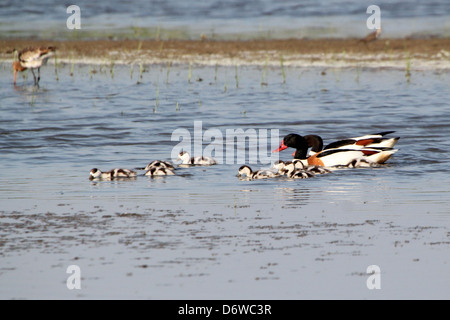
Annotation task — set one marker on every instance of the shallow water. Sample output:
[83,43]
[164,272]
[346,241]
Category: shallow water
[205,234]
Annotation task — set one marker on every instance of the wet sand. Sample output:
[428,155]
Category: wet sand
[430,53]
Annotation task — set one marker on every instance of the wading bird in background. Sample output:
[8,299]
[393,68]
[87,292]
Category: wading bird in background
[372,36]
[32,58]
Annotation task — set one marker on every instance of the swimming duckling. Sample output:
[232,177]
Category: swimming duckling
[260,174]
[294,173]
[185,158]
[160,164]
[313,169]
[156,171]
[112,174]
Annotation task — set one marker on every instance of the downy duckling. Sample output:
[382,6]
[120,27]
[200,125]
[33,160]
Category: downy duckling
[260,174]
[186,159]
[160,164]
[156,171]
[295,173]
[112,174]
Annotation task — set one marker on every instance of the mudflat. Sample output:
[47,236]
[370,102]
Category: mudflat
[424,53]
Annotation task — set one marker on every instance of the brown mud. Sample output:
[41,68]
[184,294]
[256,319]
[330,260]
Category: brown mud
[431,52]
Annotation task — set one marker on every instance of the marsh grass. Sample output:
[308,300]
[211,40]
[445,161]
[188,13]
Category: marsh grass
[283,73]
[337,74]
[158,32]
[111,68]
[387,46]
[157,96]
[168,71]
[408,68]
[265,72]
[92,71]
[56,69]
[190,72]
[215,72]
[225,88]
[33,96]
[71,66]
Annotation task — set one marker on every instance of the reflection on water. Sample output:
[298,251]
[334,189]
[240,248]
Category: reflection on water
[293,197]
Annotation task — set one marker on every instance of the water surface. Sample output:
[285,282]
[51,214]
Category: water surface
[204,233]
[224,19]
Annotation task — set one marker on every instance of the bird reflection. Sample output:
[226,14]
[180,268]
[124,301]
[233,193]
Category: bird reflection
[293,197]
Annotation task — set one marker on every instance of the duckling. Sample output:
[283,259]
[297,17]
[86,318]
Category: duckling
[279,165]
[294,173]
[185,158]
[260,174]
[313,169]
[157,171]
[112,174]
[160,164]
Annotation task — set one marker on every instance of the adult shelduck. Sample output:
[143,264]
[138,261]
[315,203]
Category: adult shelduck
[186,159]
[112,174]
[333,156]
[260,174]
[376,140]
[32,58]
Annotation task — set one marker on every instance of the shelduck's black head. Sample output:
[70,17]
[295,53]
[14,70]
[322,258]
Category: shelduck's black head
[294,141]
[314,142]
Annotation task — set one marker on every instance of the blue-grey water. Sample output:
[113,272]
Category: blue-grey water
[204,233]
[224,18]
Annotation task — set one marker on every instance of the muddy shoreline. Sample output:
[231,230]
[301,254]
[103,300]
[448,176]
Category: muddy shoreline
[431,53]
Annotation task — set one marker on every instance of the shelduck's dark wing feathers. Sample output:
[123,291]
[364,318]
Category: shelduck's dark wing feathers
[383,133]
[325,153]
[340,143]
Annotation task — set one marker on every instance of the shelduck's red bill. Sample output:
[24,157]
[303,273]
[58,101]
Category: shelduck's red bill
[281,148]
